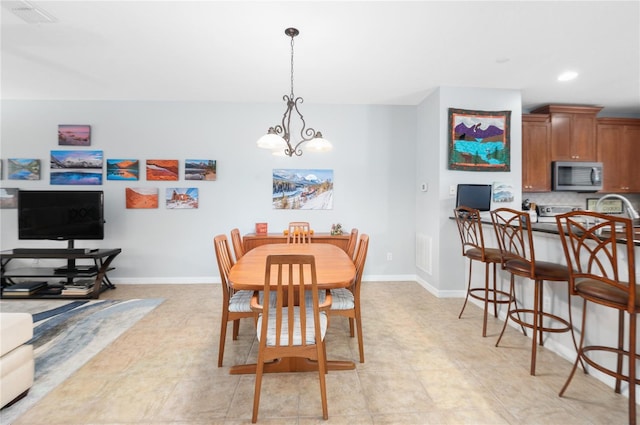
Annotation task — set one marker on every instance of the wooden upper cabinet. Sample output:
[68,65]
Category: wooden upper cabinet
[618,147]
[536,147]
[573,132]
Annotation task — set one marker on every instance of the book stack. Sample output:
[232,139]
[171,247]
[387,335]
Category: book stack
[24,289]
[78,287]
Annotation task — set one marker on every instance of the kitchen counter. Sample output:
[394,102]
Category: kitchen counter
[552,228]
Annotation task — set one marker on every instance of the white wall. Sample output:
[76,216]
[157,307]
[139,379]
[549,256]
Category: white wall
[373,163]
[436,206]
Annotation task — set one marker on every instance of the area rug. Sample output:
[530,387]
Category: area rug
[66,335]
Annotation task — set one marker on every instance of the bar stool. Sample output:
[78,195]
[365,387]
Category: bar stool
[472,239]
[513,230]
[594,245]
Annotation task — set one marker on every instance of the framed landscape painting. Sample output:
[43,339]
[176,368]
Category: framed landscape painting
[162,169]
[141,197]
[123,169]
[74,135]
[302,189]
[23,169]
[200,169]
[479,140]
[182,198]
[76,167]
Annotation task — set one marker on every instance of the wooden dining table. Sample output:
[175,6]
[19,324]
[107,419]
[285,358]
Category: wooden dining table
[334,269]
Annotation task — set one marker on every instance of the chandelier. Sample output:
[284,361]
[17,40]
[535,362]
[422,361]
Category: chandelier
[279,137]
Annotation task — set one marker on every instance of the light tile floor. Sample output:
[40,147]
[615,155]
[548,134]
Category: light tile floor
[423,366]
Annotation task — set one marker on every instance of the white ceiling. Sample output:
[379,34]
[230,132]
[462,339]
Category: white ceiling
[360,52]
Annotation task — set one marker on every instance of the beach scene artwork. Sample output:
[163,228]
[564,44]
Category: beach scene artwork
[141,197]
[302,189]
[182,197]
[76,167]
[74,135]
[23,169]
[479,140]
[200,169]
[162,169]
[123,169]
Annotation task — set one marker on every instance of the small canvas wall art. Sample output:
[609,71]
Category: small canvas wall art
[479,140]
[200,169]
[76,167]
[123,169]
[23,169]
[182,197]
[302,189]
[8,198]
[141,197]
[74,135]
[502,192]
[162,169]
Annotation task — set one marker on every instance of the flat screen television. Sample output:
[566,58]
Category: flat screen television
[61,215]
[477,196]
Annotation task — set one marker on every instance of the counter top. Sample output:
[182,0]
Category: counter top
[552,228]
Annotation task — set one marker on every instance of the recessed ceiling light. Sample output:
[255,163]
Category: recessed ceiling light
[567,76]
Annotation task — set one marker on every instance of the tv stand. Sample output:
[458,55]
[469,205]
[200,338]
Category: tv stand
[91,278]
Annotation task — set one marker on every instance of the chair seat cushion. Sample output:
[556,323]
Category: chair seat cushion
[596,290]
[491,255]
[342,299]
[544,270]
[297,334]
[240,302]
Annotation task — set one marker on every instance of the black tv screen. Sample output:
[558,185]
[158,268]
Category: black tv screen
[60,214]
[476,196]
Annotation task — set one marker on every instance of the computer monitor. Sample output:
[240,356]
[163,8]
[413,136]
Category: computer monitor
[476,196]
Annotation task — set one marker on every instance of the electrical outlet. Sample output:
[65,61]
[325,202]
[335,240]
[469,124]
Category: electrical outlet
[453,189]
[389,256]
[546,304]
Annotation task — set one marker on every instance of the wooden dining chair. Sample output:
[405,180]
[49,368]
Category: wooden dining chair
[473,248]
[599,250]
[236,241]
[353,240]
[286,328]
[515,239]
[299,232]
[346,301]
[236,305]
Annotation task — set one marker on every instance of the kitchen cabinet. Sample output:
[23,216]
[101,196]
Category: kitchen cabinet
[618,148]
[536,152]
[573,132]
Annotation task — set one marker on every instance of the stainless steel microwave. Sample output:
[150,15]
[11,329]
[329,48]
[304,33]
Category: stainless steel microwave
[577,176]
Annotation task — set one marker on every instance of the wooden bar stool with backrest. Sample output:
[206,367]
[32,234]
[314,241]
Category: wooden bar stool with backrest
[236,241]
[473,248]
[595,245]
[515,239]
[286,328]
[236,305]
[346,301]
[299,232]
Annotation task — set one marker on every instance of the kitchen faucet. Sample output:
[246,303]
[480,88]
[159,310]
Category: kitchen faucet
[631,212]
